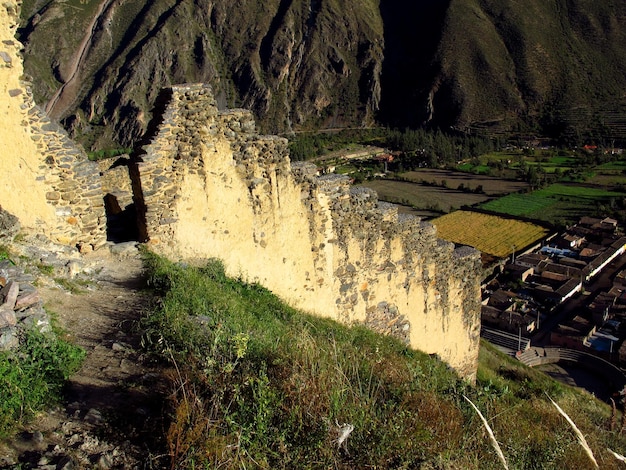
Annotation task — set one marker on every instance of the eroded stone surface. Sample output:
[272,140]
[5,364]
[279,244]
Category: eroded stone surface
[212,187]
[48,182]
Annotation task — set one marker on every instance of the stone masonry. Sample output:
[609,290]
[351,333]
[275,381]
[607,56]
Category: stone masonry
[208,185]
[48,181]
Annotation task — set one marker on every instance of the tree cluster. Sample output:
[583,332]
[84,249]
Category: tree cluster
[415,147]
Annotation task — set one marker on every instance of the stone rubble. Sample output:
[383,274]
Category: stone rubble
[21,306]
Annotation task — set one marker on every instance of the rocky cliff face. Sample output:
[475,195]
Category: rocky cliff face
[485,63]
[277,59]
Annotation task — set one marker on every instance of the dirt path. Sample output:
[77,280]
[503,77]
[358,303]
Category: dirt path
[113,411]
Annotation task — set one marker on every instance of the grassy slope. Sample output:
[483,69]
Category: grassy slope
[258,384]
[32,376]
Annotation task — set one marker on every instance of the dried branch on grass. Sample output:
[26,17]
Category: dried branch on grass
[617,456]
[492,438]
[579,435]
[613,419]
[343,432]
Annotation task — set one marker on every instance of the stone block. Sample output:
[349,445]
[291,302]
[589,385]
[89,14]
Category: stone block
[27,300]
[8,339]
[9,293]
[6,58]
[7,317]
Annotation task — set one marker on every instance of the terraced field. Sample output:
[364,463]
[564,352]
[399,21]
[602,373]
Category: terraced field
[491,234]
[491,186]
[558,203]
[421,196]
[610,174]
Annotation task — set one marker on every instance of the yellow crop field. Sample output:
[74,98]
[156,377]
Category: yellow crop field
[490,234]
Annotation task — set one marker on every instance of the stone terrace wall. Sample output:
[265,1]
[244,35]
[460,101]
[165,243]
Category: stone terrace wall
[211,187]
[48,182]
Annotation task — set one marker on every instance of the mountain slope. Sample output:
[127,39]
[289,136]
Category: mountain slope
[558,66]
[526,59]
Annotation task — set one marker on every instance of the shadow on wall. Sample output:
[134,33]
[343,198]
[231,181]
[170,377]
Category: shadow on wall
[121,223]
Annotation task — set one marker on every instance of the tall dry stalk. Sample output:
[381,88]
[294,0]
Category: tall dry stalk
[492,438]
[613,419]
[579,435]
[617,456]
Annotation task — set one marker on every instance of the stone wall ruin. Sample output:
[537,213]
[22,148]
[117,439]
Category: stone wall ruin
[48,183]
[207,185]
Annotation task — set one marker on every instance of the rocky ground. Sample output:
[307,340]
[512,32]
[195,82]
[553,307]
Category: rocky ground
[112,413]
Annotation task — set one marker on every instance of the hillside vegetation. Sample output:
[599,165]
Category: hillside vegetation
[487,65]
[256,384]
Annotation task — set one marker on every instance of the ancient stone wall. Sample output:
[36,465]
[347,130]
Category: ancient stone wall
[47,180]
[210,186]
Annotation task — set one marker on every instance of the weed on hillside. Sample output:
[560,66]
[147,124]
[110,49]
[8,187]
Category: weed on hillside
[33,376]
[5,253]
[257,384]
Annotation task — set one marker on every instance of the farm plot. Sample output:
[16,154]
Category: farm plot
[491,186]
[420,196]
[551,164]
[609,174]
[558,203]
[497,236]
[608,179]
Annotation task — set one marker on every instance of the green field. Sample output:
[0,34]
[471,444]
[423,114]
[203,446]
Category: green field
[558,203]
[619,165]
[489,185]
[476,169]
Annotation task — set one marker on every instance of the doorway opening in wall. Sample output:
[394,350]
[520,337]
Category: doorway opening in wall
[121,221]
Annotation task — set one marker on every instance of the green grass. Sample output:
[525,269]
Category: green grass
[75,286]
[44,268]
[619,165]
[107,153]
[257,384]
[519,204]
[476,169]
[34,378]
[562,161]
[5,253]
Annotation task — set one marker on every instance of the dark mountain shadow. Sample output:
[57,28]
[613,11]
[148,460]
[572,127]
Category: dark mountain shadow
[412,32]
